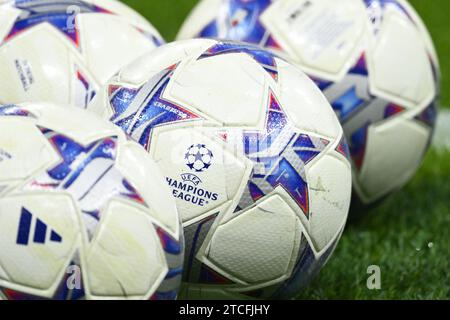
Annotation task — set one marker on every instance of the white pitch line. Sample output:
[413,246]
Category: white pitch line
[442,135]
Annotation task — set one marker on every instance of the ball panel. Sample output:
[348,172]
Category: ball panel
[391,75]
[50,117]
[134,162]
[235,81]
[308,266]
[330,185]
[198,193]
[423,29]
[40,233]
[125,258]
[323,36]
[386,171]
[304,104]
[258,245]
[37,73]
[19,139]
[108,48]
[145,67]
[8,16]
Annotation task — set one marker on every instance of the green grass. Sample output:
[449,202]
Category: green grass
[396,234]
[435,15]
[166,15]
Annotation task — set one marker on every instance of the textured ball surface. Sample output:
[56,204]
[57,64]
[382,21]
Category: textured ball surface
[373,59]
[84,211]
[63,51]
[254,155]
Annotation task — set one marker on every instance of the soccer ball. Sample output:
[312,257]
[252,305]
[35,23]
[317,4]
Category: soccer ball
[254,155]
[373,59]
[63,51]
[84,211]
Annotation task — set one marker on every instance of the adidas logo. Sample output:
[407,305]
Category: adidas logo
[40,230]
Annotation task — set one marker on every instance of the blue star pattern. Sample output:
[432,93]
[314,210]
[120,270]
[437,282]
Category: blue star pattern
[14,111]
[264,58]
[356,107]
[278,152]
[56,13]
[75,159]
[242,23]
[61,14]
[279,155]
[376,8]
[139,111]
[89,174]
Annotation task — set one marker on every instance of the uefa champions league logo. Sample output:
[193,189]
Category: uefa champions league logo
[198,157]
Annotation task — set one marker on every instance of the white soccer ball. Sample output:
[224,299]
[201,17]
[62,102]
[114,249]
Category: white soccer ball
[265,188]
[84,211]
[63,51]
[373,59]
